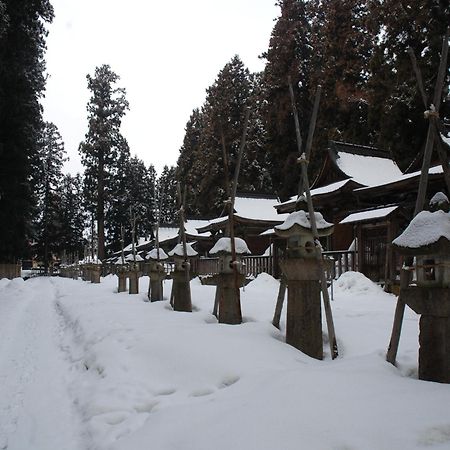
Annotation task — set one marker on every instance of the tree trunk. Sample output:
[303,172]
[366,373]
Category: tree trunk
[101,207]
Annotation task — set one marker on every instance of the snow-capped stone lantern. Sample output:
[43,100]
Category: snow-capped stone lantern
[302,271]
[230,277]
[133,272]
[122,273]
[427,238]
[156,272]
[181,277]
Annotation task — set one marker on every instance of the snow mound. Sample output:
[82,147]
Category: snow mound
[264,281]
[356,283]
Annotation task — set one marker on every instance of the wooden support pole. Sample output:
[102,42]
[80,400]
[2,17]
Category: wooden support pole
[280,301]
[312,218]
[391,354]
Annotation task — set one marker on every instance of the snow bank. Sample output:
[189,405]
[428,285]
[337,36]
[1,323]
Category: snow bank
[144,376]
[356,283]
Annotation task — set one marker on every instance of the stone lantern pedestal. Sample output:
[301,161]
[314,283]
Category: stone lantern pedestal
[95,273]
[230,278]
[133,276]
[157,274]
[304,312]
[121,272]
[427,238]
[302,270]
[181,289]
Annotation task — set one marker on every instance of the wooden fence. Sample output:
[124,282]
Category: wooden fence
[10,271]
[340,261]
[252,266]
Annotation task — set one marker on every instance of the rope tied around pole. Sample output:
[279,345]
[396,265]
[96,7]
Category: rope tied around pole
[431,113]
[302,159]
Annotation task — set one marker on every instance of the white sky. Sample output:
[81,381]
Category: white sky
[166,53]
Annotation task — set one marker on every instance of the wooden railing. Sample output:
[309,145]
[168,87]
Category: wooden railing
[340,261]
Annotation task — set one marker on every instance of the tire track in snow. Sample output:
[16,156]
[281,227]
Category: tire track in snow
[36,411]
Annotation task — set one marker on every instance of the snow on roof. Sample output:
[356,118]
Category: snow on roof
[367,170]
[333,187]
[224,245]
[141,241]
[167,233]
[302,218]
[406,176]
[369,215]
[191,226]
[155,253]
[258,209]
[130,258]
[178,250]
[425,229]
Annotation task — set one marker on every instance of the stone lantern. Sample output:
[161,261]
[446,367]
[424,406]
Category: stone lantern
[96,271]
[230,279]
[122,273]
[133,272]
[427,239]
[156,273]
[302,270]
[181,291]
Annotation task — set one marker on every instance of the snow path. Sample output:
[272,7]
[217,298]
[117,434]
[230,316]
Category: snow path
[36,411]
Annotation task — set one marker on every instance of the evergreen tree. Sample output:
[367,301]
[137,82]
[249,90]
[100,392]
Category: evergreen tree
[289,55]
[397,111]
[189,172]
[22,82]
[104,145]
[72,217]
[340,64]
[51,157]
[167,195]
[201,166]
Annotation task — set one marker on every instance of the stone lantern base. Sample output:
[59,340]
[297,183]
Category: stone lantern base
[95,274]
[304,314]
[434,338]
[155,292]
[133,276]
[122,278]
[229,300]
[181,291]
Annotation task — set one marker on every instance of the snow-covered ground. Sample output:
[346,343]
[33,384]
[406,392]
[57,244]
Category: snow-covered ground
[82,367]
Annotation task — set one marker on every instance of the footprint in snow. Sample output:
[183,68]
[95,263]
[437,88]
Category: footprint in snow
[437,435]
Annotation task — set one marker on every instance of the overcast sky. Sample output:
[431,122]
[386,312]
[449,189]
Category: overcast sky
[166,54]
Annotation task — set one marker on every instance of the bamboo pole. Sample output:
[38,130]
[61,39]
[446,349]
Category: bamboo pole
[312,217]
